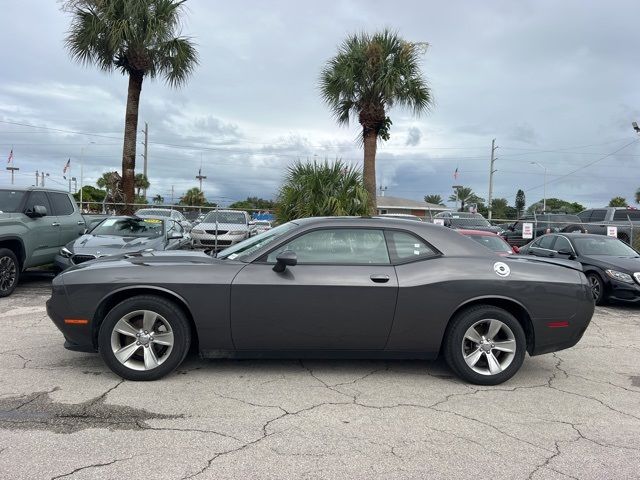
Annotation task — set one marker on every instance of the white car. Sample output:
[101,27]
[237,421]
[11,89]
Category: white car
[222,228]
[262,225]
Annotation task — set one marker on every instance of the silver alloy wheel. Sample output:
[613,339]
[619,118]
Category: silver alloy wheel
[488,346]
[8,273]
[142,340]
[595,287]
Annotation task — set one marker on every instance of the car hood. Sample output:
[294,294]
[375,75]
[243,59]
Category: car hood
[553,261]
[627,264]
[141,258]
[112,244]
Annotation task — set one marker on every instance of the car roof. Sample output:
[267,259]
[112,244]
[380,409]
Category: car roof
[479,233]
[31,189]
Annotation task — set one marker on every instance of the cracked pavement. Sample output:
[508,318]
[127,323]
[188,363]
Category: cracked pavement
[573,414]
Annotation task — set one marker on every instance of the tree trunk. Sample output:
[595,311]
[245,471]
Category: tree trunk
[369,168]
[130,137]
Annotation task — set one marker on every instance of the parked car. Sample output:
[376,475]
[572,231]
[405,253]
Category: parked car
[262,225]
[611,266]
[492,241]
[627,221]
[222,228]
[466,220]
[543,223]
[326,287]
[117,235]
[34,224]
[165,213]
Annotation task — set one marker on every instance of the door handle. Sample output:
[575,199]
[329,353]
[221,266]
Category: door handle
[379,278]
[55,224]
[80,222]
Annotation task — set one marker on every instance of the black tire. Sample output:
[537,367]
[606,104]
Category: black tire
[573,228]
[9,272]
[597,288]
[170,314]
[454,344]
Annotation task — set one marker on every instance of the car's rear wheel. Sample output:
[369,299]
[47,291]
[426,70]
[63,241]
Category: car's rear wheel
[144,338]
[597,288]
[9,272]
[485,345]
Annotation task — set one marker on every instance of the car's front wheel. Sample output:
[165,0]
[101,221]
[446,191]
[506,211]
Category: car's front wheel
[144,338]
[9,272]
[485,345]
[597,288]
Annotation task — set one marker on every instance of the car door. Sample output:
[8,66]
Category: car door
[43,239]
[71,226]
[543,246]
[340,296]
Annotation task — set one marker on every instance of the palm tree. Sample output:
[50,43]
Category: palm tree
[321,189]
[139,39]
[368,76]
[193,197]
[465,195]
[435,199]
[141,183]
[638,195]
[158,199]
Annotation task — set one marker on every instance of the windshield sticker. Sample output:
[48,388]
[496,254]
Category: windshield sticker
[110,222]
[232,256]
[502,269]
[152,220]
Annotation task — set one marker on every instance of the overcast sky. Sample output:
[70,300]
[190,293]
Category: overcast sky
[554,82]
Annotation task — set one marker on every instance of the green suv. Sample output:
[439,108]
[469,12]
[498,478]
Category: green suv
[34,224]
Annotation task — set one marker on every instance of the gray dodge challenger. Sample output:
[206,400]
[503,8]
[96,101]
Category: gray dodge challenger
[325,288]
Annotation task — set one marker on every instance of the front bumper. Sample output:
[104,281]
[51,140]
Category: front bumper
[207,240]
[62,263]
[622,291]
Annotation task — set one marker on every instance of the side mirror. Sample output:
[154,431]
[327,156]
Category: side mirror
[288,258]
[252,222]
[175,236]
[566,252]
[38,211]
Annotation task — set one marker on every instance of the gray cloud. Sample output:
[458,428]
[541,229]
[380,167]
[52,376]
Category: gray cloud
[413,136]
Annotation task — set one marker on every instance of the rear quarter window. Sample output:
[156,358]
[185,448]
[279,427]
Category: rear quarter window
[404,247]
[626,215]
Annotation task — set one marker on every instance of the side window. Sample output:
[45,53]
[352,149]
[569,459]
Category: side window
[585,216]
[38,198]
[626,215]
[404,246]
[562,244]
[342,246]
[61,204]
[545,242]
[598,215]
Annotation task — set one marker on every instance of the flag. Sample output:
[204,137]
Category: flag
[10,156]
[66,167]
[455,174]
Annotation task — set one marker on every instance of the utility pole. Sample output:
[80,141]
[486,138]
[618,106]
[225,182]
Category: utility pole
[200,177]
[491,172]
[37,178]
[12,169]
[171,194]
[145,154]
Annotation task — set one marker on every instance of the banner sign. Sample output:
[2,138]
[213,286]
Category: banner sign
[527,230]
[612,231]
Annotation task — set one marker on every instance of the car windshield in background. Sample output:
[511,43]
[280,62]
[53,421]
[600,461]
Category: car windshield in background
[559,218]
[492,242]
[469,219]
[603,246]
[158,212]
[130,227]
[10,201]
[250,245]
[225,217]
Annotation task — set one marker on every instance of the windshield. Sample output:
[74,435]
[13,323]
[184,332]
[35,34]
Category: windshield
[492,242]
[250,245]
[130,227]
[603,246]
[148,212]
[10,200]
[469,219]
[225,217]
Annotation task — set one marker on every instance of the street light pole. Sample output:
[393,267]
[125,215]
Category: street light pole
[544,201]
[491,172]
[456,187]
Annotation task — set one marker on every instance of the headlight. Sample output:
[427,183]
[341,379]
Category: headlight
[623,277]
[65,252]
[195,230]
[237,232]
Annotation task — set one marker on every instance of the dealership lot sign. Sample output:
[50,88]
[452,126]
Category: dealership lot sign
[527,230]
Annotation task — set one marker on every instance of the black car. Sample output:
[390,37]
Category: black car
[118,235]
[325,288]
[467,221]
[544,223]
[612,266]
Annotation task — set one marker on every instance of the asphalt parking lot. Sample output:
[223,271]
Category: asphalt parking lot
[574,414]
